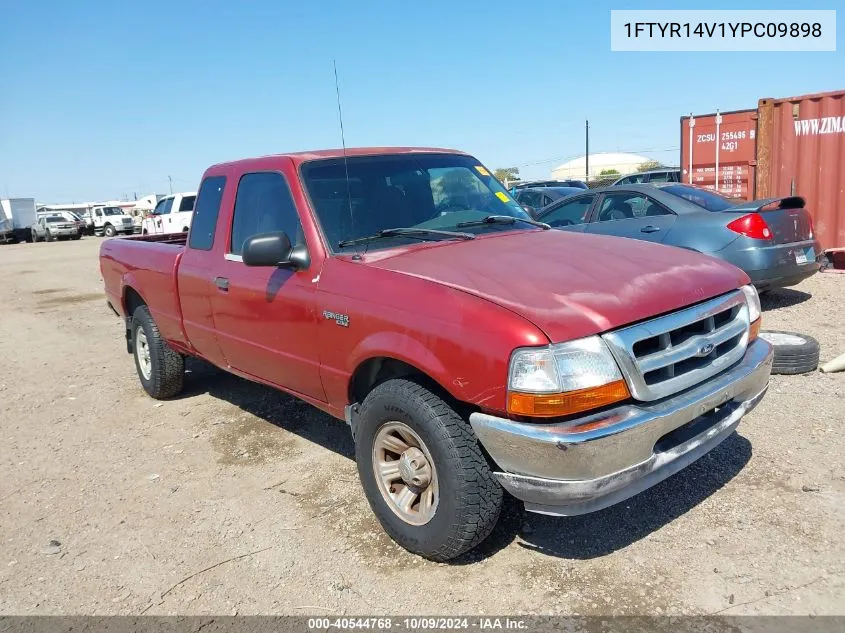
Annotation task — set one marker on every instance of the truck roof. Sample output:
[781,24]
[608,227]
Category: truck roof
[301,157]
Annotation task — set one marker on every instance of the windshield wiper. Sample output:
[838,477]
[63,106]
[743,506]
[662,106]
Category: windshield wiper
[503,219]
[420,234]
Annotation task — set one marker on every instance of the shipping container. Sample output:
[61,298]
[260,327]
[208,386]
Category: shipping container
[791,146]
[723,145]
[801,151]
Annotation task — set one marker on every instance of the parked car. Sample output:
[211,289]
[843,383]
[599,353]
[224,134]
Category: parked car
[172,214]
[532,200]
[651,176]
[70,216]
[54,227]
[772,240]
[470,349]
[535,184]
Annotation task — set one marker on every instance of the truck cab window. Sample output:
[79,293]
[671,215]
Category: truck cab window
[263,204]
[187,203]
[204,220]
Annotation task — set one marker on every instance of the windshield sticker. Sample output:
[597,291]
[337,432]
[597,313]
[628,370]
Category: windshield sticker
[481,170]
[502,196]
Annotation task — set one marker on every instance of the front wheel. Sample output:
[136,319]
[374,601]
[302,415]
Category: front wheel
[49,237]
[160,368]
[423,471]
[109,231]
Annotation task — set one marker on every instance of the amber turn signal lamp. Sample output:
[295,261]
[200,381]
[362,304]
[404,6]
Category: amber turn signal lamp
[754,329]
[556,404]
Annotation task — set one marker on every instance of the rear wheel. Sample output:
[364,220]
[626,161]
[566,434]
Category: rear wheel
[423,471]
[34,236]
[160,368]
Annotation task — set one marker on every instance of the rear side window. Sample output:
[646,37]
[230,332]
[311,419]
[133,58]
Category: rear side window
[187,203]
[263,204]
[204,220]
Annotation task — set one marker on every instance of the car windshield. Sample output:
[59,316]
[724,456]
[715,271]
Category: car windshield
[52,219]
[705,199]
[420,191]
[112,211]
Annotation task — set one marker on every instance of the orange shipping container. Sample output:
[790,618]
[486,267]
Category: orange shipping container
[733,153]
[792,146]
[801,151]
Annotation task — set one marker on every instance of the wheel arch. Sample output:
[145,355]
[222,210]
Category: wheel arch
[130,301]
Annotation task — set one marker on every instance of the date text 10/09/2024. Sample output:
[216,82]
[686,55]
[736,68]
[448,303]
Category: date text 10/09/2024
[419,623]
[723,29]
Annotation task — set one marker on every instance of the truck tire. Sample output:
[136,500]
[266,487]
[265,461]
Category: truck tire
[34,237]
[161,370]
[49,237]
[439,499]
[109,230]
[794,353]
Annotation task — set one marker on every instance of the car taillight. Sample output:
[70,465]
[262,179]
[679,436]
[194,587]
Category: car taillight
[752,225]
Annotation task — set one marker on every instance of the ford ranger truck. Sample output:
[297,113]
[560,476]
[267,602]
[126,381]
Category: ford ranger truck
[471,350]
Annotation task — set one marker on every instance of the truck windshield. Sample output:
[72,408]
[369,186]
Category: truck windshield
[112,211]
[420,191]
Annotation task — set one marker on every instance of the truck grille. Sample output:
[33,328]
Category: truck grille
[676,351]
[127,220]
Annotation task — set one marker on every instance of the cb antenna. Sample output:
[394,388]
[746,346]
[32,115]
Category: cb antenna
[345,161]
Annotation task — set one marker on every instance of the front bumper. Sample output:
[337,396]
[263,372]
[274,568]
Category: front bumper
[557,469]
[64,232]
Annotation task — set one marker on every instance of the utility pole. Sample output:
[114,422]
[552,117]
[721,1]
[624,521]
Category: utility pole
[170,180]
[587,153]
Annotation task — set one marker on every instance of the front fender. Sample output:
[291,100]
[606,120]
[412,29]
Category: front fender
[404,348]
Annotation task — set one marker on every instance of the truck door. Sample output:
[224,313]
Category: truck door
[161,216]
[195,276]
[265,317]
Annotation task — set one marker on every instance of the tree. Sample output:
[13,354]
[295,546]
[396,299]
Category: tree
[649,165]
[506,174]
[609,172]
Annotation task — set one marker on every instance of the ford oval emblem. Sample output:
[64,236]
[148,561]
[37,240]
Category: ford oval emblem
[705,350]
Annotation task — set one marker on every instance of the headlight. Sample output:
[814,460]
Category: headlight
[752,299]
[563,379]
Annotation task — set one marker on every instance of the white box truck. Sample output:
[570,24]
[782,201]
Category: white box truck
[17,215]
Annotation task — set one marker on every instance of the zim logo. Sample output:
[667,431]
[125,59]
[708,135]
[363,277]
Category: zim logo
[705,350]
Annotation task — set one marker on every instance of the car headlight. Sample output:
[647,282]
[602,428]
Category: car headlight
[563,379]
[752,300]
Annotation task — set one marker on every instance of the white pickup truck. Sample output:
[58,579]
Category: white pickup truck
[172,214]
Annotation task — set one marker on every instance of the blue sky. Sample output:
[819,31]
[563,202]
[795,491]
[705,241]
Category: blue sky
[102,99]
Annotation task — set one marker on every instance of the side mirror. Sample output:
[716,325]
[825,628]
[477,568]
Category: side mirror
[274,249]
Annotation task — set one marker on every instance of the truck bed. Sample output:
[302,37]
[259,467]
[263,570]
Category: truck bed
[147,263]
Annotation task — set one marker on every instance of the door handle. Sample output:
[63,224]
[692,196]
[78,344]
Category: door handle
[222,283]
[649,229]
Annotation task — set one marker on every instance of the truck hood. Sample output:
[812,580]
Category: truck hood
[570,284]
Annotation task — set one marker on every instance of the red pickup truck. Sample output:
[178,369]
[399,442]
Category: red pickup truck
[471,349]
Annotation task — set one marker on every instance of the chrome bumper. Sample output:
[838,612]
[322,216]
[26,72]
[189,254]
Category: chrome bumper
[555,469]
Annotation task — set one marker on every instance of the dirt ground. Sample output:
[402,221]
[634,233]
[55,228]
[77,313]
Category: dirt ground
[234,498]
